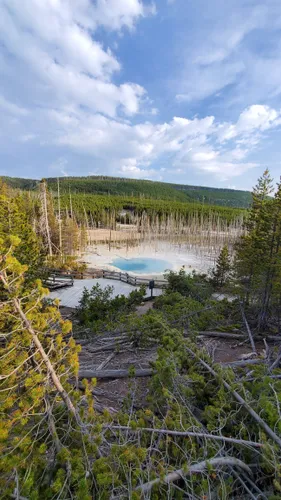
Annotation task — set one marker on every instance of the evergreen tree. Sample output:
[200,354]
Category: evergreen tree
[70,236]
[222,271]
[258,251]
[17,218]
[42,433]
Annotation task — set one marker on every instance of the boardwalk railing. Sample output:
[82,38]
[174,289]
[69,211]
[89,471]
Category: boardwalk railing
[66,278]
[54,280]
[132,280]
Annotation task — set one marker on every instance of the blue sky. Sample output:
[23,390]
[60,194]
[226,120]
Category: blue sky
[185,91]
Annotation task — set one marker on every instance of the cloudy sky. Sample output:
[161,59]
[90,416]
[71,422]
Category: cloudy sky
[185,91]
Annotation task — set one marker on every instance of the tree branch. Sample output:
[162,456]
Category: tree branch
[204,435]
[240,400]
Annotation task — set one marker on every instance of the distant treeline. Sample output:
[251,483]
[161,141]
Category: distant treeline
[99,207]
[134,188]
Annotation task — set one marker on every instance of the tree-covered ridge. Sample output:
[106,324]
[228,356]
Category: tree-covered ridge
[217,196]
[20,183]
[141,188]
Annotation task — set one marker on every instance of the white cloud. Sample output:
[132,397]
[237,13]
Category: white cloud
[116,14]
[130,169]
[66,79]
[54,42]
[11,107]
[27,137]
[185,144]
[234,46]
[257,117]
[254,119]
[61,35]
[201,82]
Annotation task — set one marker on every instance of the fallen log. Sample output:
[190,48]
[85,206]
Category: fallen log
[193,469]
[103,374]
[244,363]
[107,347]
[100,408]
[248,329]
[235,336]
[223,335]
[106,361]
[260,377]
[203,435]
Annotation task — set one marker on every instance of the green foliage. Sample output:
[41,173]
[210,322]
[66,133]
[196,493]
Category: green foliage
[182,395]
[217,196]
[222,273]
[17,215]
[142,188]
[105,209]
[48,451]
[66,263]
[192,285]
[37,431]
[189,312]
[98,307]
[258,255]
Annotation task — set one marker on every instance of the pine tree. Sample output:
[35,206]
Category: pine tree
[221,273]
[45,433]
[70,237]
[17,218]
[258,251]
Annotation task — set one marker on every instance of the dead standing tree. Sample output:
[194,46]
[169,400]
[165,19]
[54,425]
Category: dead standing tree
[44,219]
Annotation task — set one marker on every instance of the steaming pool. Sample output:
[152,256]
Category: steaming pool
[141,265]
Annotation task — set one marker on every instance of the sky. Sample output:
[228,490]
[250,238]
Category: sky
[184,91]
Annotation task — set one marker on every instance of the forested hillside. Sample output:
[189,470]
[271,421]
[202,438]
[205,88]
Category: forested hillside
[141,188]
[217,196]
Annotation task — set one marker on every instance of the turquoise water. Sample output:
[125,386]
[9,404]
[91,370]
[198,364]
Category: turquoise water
[139,265]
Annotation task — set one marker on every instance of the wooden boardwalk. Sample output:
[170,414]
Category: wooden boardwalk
[53,281]
[60,279]
[70,296]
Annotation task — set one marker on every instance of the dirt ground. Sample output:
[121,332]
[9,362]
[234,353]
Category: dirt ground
[228,351]
[101,235]
[113,393]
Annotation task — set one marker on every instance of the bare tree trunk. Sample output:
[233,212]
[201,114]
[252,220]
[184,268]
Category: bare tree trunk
[106,361]
[43,192]
[60,236]
[145,372]
[248,329]
[70,200]
[203,435]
